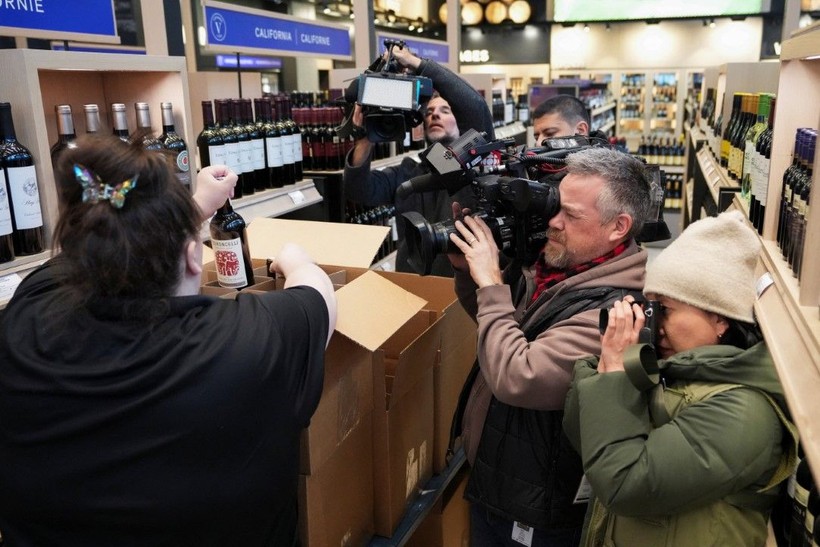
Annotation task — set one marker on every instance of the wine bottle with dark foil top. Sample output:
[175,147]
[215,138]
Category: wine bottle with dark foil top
[20,176]
[209,141]
[229,240]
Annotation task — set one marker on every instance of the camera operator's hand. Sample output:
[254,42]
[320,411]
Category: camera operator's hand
[626,319]
[405,58]
[479,249]
[363,147]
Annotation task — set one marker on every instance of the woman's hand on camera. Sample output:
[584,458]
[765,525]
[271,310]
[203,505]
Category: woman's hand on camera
[214,185]
[475,240]
[626,319]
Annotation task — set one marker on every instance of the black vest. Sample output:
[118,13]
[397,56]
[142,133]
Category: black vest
[525,468]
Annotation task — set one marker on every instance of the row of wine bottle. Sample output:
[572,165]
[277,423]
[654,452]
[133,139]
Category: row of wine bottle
[795,199]
[382,215]
[799,525]
[21,219]
[659,151]
[169,139]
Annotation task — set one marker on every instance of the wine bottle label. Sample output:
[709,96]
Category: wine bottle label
[274,146]
[233,159]
[258,154]
[218,154]
[5,210]
[297,147]
[287,149]
[246,156]
[230,263]
[25,197]
[182,162]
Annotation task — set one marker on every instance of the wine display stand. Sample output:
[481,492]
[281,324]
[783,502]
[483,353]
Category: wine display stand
[34,81]
[788,311]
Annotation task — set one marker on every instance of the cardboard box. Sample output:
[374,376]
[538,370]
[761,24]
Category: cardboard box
[336,501]
[408,326]
[448,522]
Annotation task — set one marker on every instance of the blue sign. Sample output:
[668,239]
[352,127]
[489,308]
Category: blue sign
[94,21]
[231,28]
[426,49]
[247,61]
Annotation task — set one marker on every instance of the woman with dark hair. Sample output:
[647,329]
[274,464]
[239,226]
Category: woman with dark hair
[690,450]
[135,411]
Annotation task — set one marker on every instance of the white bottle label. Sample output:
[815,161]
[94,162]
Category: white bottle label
[230,263]
[218,154]
[233,159]
[246,156]
[297,147]
[258,154]
[274,146]
[287,149]
[25,197]
[5,210]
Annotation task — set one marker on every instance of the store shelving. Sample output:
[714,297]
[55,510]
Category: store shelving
[788,310]
[34,81]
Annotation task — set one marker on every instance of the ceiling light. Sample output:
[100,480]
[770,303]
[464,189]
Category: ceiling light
[471,13]
[519,11]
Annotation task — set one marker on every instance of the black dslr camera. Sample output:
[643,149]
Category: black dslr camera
[391,100]
[649,332]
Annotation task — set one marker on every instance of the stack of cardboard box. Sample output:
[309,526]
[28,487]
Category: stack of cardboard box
[393,371]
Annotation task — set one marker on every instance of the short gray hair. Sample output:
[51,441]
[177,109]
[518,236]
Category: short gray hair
[627,189]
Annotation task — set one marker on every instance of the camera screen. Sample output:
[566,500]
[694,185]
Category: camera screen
[387,92]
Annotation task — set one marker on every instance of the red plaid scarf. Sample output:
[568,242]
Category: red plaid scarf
[546,277]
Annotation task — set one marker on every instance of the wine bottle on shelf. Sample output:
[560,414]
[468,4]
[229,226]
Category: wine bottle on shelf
[257,146]
[119,121]
[317,144]
[730,126]
[20,175]
[522,109]
[812,510]
[801,201]
[66,136]
[92,119]
[6,227]
[765,167]
[209,141]
[287,140]
[331,140]
[248,178]
[229,140]
[760,103]
[273,147]
[786,195]
[144,131]
[296,142]
[229,240]
[303,118]
[172,141]
[263,124]
[802,485]
[753,163]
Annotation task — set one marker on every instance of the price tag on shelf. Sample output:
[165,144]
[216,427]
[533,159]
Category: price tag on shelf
[8,284]
[764,282]
[296,197]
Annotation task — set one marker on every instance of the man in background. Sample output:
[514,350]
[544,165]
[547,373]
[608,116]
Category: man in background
[560,116]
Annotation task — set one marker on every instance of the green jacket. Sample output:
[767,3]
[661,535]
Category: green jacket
[705,474]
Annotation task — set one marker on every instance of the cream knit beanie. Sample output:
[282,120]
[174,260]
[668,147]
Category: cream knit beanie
[711,266]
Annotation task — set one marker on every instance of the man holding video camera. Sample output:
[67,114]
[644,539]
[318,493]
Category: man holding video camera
[534,322]
[456,108]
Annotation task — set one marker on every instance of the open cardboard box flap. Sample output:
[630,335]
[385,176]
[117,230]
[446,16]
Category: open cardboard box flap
[335,243]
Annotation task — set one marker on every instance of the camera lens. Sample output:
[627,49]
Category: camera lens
[384,127]
[425,241]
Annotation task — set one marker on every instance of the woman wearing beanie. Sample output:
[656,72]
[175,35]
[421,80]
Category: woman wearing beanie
[691,449]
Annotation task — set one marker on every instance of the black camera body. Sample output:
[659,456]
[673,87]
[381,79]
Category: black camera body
[515,204]
[649,332]
[516,210]
[391,100]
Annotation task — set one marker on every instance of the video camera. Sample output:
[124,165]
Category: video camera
[391,100]
[516,198]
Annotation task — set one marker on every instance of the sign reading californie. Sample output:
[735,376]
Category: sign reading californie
[238,29]
[92,21]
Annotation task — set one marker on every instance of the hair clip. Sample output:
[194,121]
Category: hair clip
[95,189]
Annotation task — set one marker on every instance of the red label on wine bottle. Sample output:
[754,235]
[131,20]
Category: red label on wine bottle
[230,265]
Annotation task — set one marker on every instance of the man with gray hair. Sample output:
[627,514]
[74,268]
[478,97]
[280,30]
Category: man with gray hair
[534,322]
